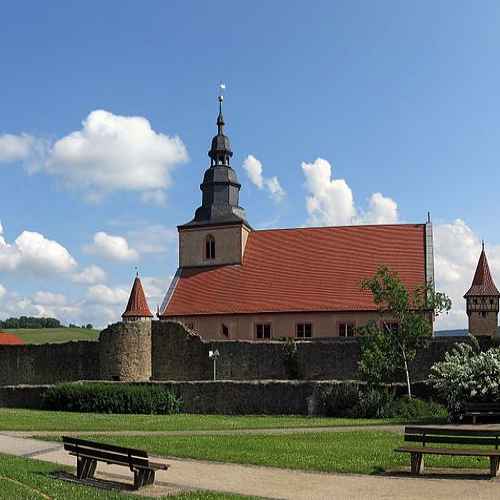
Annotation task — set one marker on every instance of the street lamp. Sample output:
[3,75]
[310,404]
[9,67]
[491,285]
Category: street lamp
[214,355]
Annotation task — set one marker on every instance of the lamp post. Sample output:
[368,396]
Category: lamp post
[214,355]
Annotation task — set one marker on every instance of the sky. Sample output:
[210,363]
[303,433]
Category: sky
[338,113]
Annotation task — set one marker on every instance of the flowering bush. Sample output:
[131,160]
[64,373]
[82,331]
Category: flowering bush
[467,375]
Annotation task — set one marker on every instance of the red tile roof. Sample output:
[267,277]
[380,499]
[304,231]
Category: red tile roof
[482,284]
[137,305]
[10,339]
[310,269]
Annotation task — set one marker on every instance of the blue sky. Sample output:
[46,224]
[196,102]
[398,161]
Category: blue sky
[395,98]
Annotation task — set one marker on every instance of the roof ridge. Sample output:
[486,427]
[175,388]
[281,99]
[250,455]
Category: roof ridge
[409,224]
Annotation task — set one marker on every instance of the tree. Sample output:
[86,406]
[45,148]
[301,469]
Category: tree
[405,322]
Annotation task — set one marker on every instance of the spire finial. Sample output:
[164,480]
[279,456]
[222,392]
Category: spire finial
[483,244]
[220,118]
[429,216]
[136,271]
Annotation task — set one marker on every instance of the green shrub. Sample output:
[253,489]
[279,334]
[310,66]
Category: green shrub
[112,398]
[352,401]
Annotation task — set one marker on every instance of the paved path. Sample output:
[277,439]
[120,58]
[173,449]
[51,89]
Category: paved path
[229,432]
[275,483]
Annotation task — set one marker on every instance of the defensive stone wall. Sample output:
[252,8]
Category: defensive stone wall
[125,351]
[49,363]
[179,354]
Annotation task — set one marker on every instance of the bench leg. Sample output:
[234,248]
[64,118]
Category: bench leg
[474,419]
[494,462]
[417,463]
[143,477]
[85,467]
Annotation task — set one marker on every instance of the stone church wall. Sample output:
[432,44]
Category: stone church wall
[49,363]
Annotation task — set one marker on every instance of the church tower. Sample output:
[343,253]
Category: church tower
[483,300]
[218,233]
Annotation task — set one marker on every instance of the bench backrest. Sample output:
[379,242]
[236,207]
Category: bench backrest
[106,452]
[443,435]
[483,407]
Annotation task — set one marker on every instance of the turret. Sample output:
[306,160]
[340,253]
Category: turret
[483,300]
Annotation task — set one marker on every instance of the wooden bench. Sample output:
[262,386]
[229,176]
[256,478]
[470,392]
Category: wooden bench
[476,410]
[88,453]
[441,435]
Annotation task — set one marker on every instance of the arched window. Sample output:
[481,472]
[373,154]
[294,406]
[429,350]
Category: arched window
[210,247]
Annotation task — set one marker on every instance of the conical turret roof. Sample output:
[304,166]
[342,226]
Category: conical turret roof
[137,304]
[483,284]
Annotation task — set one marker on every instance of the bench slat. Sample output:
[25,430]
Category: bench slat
[473,440]
[104,446]
[448,451]
[105,456]
[450,431]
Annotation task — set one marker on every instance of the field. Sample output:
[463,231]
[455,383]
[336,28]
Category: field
[25,479]
[53,335]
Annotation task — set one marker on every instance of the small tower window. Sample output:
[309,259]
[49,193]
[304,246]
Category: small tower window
[210,247]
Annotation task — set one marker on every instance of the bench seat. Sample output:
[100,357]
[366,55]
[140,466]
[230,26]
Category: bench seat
[443,435]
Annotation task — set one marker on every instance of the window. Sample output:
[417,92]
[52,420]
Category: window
[475,301]
[225,330]
[346,330]
[210,247]
[304,330]
[263,331]
[391,326]
[492,301]
[484,314]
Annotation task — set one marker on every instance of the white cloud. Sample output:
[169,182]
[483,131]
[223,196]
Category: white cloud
[154,238]
[330,201]
[111,247]
[102,294]
[90,275]
[253,168]
[116,153]
[18,147]
[49,298]
[33,252]
[3,291]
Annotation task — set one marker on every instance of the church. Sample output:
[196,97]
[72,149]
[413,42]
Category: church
[235,282]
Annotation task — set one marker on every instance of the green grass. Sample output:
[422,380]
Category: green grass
[53,335]
[36,420]
[365,452]
[24,479]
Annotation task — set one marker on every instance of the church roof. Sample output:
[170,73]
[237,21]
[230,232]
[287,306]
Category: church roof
[305,269]
[483,284]
[137,305]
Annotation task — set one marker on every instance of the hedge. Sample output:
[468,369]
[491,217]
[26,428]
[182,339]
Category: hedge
[112,398]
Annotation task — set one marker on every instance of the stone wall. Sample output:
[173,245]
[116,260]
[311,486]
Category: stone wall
[179,354]
[229,397]
[49,363]
[125,351]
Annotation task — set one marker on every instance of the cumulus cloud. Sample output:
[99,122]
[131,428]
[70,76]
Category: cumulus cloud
[154,238]
[49,298]
[89,275]
[20,147]
[111,248]
[116,153]
[102,294]
[3,291]
[330,201]
[253,168]
[35,253]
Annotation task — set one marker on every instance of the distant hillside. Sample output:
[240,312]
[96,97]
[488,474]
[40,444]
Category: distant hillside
[53,335]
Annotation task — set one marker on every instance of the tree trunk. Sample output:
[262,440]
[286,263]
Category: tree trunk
[408,384]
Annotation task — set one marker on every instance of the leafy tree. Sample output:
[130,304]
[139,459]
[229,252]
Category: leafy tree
[30,322]
[405,323]
[89,326]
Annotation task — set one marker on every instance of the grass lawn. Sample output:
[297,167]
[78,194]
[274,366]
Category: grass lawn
[24,479]
[366,452]
[35,420]
[53,335]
